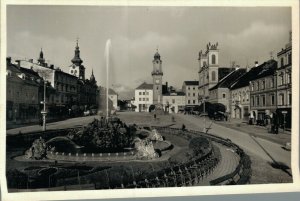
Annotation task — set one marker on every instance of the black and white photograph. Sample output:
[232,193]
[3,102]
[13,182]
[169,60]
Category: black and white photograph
[116,97]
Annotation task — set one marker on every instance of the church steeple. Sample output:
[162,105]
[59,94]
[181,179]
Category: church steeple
[41,59]
[92,78]
[77,60]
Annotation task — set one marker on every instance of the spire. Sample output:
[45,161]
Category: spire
[76,60]
[92,78]
[157,55]
[41,59]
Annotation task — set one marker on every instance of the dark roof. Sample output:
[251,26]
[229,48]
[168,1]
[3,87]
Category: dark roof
[223,71]
[30,72]
[191,83]
[228,80]
[267,68]
[263,70]
[145,86]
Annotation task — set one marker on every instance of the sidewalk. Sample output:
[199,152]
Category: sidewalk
[257,131]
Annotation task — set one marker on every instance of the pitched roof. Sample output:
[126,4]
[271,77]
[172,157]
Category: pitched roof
[229,79]
[223,71]
[191,83]
[145,86]
[267,68]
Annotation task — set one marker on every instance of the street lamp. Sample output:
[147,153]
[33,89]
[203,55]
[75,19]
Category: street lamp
[44,112]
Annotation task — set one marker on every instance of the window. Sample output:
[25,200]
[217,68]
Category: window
[213,59]
[140,99]
[193,88]
[140,93]
[289,78]
[252,101]
[189,101]
[143,93]
[281,99]
[156,88]
[263,100]
[263,84]
[272,82]
[272,99]
[143,99]
[290,99]
[257,86]
[188,88]
[194,101]
[257,101]
[173,101]
[281,81]
[224,95]
[194,94]
[213,76]
[281,62]
[188,94]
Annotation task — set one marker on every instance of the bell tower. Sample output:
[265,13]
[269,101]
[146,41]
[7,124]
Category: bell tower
[157,78]
[77,69]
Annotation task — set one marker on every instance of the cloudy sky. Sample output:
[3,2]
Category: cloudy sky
[244,36]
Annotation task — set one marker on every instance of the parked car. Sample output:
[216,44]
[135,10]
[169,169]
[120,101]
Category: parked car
[87,113]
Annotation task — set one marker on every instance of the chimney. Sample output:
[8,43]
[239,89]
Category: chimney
[256,63]
[52,66]
[8,61]
[19,63]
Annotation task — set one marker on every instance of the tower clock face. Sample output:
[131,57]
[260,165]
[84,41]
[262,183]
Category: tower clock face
[157,81]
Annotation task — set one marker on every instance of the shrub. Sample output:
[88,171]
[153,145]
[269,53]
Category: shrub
[199,146]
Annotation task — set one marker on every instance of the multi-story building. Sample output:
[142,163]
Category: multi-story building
[174,102]
[22,94]
[263,91]
[240,95]
[143,97]
[284,83]
[220,93]
[191,91]
[209,70]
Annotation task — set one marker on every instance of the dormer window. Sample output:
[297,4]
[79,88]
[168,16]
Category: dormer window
[22,76]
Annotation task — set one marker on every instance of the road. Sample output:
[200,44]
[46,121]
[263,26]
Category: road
[258,146]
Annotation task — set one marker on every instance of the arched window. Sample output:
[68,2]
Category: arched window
[213,59]
[213,76]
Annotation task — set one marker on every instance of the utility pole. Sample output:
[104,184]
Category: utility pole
[44,112]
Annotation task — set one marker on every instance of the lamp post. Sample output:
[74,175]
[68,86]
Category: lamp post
[44,112]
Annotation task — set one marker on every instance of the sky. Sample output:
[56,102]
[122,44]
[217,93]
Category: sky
[244,35]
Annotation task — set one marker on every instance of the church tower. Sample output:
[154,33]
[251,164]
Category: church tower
[77,69]
[208,69]
[157,78]
[41,60]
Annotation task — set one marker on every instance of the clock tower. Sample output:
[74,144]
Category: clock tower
[157,78]
[77,69]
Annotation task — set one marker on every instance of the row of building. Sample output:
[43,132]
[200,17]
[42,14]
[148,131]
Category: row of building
[66,93]
[249,93]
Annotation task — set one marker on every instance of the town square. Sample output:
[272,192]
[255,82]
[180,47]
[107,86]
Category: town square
[116,97]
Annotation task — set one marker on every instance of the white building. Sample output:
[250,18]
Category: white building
[190,88]
[174,102]
[143,97]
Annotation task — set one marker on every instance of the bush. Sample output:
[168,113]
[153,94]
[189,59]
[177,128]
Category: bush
[199,146]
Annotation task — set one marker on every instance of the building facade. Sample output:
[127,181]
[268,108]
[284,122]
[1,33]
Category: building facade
[174,102]
[263,92]
[284,83]
[22,94]
[220,93]
[144,97]
[191,91]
